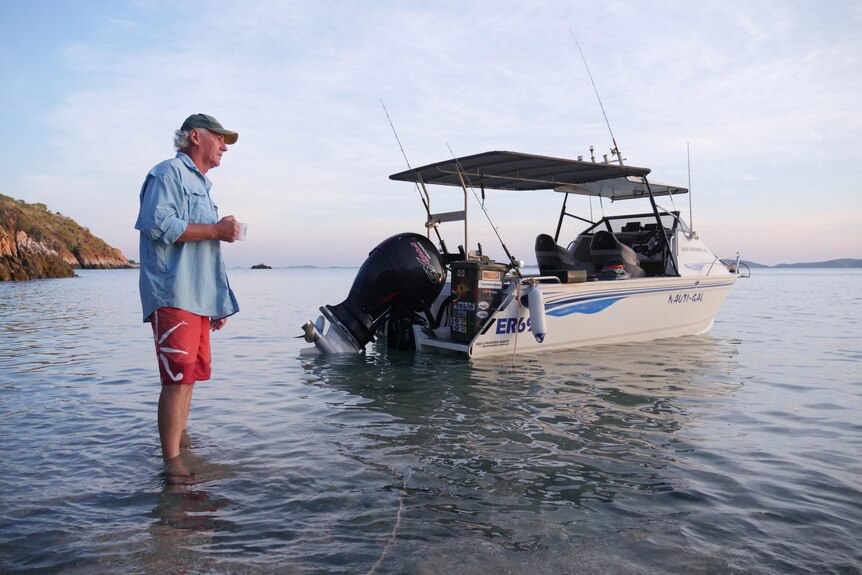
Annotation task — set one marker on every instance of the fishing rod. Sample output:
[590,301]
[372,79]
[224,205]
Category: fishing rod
[616,150]
[423,193]
[515,264]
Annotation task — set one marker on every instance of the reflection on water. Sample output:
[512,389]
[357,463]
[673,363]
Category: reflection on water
[186,523]
[192,506]
[182,508]
[541,414]
[477,448]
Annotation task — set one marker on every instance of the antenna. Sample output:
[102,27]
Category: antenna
[616,150]
[690,211]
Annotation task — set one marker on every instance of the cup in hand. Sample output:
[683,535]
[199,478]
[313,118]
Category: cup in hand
[243,231]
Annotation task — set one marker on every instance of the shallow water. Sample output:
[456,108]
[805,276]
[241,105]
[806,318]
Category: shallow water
[734,452]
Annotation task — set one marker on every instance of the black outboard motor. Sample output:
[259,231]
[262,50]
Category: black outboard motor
[403,274]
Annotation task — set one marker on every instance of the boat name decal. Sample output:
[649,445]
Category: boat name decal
[423,258]
[685,297]
[512,324]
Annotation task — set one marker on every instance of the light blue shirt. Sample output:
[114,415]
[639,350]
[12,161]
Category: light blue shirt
[185,275]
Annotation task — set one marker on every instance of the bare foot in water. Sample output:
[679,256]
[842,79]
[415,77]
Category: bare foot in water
[185,440]
[176,472]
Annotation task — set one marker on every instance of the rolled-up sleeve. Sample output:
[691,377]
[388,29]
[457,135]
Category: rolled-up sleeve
[162,217]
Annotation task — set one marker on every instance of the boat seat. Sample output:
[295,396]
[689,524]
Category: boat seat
[580,248]
[552,257]
[606,249]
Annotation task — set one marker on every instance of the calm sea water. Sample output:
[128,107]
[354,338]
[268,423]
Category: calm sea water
[734,452]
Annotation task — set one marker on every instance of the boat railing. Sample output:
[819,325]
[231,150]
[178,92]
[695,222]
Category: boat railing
[735,267]
[541,279]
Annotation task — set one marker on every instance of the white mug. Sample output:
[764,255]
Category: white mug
[243,231]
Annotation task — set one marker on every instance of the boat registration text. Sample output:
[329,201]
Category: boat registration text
[685,297]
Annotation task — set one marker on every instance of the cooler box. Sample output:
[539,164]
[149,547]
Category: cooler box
[477,290]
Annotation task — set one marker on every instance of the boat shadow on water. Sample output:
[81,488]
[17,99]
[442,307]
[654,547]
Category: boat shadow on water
[557,428]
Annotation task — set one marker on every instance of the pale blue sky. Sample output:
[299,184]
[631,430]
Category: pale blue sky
[765,93]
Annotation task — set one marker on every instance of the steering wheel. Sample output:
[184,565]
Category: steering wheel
[649,243]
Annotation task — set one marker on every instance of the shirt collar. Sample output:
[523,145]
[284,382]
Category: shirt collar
[191,165]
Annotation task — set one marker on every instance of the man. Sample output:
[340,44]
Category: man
[183,282]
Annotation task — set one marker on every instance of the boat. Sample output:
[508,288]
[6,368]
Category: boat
[636,277]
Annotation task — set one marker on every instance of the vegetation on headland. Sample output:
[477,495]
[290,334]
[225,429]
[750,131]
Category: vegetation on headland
[38,243]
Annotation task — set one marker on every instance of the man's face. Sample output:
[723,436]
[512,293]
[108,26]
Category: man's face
[210,145]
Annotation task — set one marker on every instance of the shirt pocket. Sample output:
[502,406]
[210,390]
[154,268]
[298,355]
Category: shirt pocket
[201,210]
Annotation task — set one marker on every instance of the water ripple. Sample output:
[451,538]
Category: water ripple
[735,452]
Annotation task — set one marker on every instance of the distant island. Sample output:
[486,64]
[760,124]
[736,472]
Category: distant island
[37,243]
[830,264]
[313,267]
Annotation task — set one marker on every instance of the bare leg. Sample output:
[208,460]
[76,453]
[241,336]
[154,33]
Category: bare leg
[185,441]
[174,403]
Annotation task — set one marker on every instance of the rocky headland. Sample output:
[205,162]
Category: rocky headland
[36,243]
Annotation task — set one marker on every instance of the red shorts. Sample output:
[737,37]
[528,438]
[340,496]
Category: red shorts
[182,345]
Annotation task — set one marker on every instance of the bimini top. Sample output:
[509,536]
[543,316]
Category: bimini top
[622,188]
[517,171]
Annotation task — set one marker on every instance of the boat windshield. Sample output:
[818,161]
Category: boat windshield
[637,223]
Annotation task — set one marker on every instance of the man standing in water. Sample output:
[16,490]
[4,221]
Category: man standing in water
[183,282]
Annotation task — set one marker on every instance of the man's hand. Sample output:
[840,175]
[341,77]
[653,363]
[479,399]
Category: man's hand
[217,324]
[226,230]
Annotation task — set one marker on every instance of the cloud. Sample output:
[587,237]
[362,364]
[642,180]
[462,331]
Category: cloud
[764,95]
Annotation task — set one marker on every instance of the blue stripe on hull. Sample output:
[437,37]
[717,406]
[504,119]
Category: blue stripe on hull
[595,303]
[587,307]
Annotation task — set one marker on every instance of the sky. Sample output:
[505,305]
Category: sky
[756,104]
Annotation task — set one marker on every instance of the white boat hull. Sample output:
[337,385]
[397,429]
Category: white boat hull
[593,313]
[628,277]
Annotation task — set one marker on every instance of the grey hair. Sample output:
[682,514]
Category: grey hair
[181,139]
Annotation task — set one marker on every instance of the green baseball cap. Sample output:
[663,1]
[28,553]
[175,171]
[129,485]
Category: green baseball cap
[210,123]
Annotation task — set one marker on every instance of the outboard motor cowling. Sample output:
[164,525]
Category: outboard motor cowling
[404,273]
